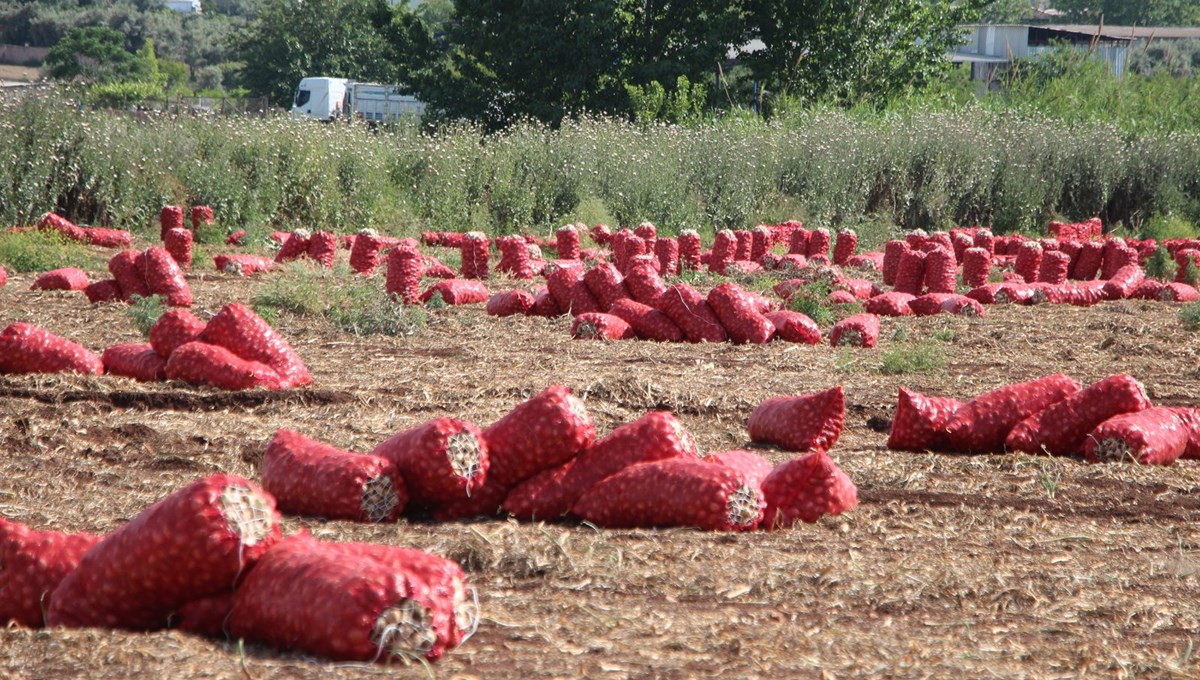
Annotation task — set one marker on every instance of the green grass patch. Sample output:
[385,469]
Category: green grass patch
[912,358]
[41,251]
[355,307]
[1189,316]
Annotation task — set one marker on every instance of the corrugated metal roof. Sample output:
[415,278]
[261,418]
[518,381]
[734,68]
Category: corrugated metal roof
[1128,32]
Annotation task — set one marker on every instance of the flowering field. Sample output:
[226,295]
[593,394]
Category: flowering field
[928,170]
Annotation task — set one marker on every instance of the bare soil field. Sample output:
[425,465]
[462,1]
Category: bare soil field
[952,566]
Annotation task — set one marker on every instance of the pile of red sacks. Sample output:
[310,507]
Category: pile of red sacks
[1110,420]
[209,559]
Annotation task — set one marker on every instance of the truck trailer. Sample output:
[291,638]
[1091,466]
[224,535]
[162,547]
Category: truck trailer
[329,99]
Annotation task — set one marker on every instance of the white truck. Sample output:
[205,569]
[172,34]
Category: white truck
[328,99]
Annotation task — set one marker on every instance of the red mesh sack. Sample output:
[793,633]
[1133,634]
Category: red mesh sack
[941,272]
[977,267]
[1029,261]
[984,239]
[170,217]
[810,422]
[474,256]
[135,360]
[320,600]
[1155,436]
[890,304]
[1088,262]
[208,616]
[739,315]
[867,261]
[1117,255]
[1190,417]
[690,311]
[1060,429]
[544,305]
[667,252]
[689,250]
[724,251]
[322,247]
[243,265]
[34,563]
[1122,283]
[25,348]
[194,543]
[847,243]
[106,238]
[658,435]
[754,467]
[444,580]
[1055,267]
[542,432]
[404,269]
[442,461]
[457,292]
[1178,292]
[294,246]
[364,254]
[165,278]
[235,239]
[435,269]
[1016,294]
[3,277]
[647,322]
[818,243]
[644,284]
[929,304]
[860,330]
[53,222]
[798,242]
[174,328]
[510,303]
[201,215]
[1149,289]
[199,363]
[962,306]
[910,276]
[312,479]
[600,326]
[178,243]
[606,285]
[106,290]
[893,253]
[794,327]
[745,244]
[841,297]
[67,278]
[920,422]
[567,240]
[676,492]
[861,289]
[983,423]
[805,488]
[244,333]
[760,243]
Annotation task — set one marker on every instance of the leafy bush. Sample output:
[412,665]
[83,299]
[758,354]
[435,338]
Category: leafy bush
[1165,227]
[1161,265]
[145,311]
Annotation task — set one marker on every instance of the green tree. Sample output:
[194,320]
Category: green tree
[1008,12]
[1133,12]
[851,50]
[291,39]
[95,53]
[503,59]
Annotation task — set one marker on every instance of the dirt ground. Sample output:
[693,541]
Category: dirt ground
[953,566]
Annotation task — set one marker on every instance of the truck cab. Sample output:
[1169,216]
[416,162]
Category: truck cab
[321,99]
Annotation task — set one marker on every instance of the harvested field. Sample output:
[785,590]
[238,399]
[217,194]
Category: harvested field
[952,566]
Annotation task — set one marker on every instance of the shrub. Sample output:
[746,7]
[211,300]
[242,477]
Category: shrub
[912,358]
[145,312]
[1189,316]
[39,251]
